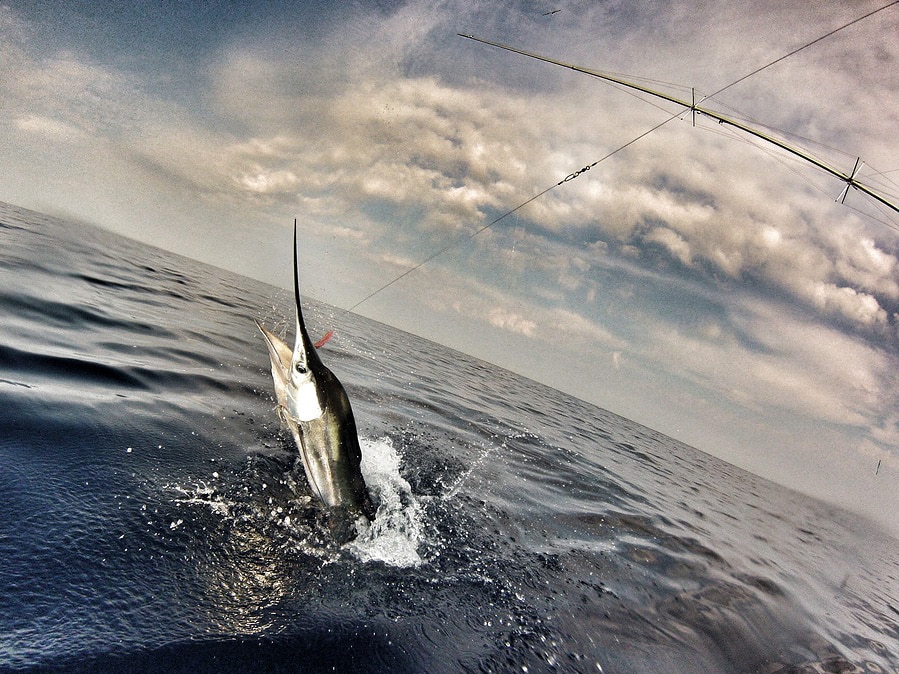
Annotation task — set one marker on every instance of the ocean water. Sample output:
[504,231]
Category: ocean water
[154,518]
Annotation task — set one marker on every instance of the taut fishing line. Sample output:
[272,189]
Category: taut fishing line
[579,172]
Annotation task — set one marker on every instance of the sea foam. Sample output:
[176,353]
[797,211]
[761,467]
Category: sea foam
[395,534]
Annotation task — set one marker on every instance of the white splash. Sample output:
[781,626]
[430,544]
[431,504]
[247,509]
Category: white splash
[204,495]
[397,530]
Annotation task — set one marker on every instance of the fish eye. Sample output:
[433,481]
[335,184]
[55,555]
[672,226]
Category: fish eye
[299,367]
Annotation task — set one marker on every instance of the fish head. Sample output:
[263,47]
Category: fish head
[304,403]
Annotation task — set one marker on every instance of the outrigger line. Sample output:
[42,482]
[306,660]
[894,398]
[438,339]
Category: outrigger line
[694,109]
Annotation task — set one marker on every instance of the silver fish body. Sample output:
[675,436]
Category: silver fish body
[313,404]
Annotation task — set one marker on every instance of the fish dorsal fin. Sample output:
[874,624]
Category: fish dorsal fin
[304,343]
[301,323]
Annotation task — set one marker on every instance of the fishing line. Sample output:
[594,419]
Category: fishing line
[640,98]
[739,116]
[880,208]
[886,180]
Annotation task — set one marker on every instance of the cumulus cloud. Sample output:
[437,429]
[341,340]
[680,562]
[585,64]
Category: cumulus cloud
[504,319]
[673,242]
[870,268]
[858,307]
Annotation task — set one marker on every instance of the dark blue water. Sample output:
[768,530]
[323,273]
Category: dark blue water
[153,517]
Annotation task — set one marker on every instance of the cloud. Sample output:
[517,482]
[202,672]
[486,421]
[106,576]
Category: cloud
[861,308]
[673,242]
[770,358]
[504,319]
[886,434]
[50,129]
[863,263]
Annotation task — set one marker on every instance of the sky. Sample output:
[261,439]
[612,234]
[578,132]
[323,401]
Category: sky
[703,285]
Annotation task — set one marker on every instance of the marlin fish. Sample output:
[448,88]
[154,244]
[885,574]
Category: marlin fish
[314,406]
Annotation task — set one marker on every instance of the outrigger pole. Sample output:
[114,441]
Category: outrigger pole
[848,178]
